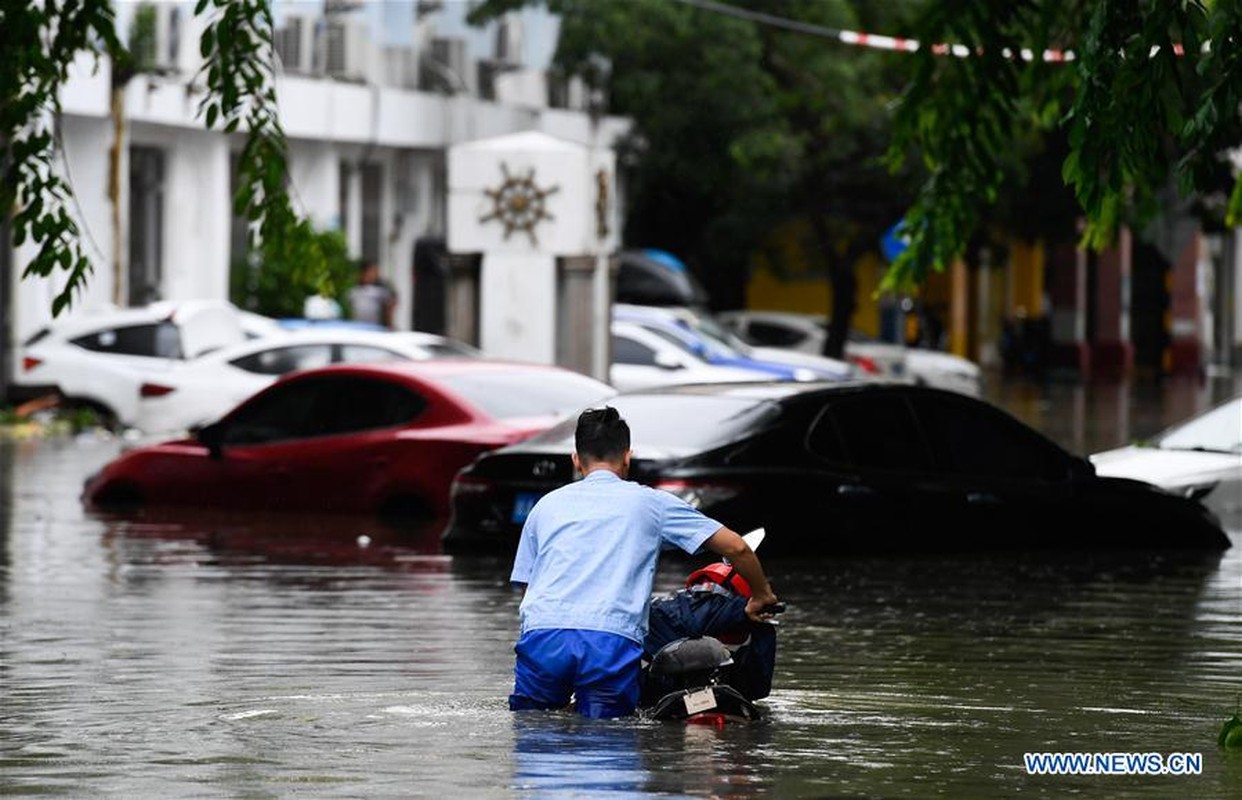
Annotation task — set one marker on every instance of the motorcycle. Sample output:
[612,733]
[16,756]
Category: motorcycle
[722,662]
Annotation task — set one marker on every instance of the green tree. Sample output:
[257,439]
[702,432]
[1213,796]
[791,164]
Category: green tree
[274,281]
[38,44]
[1151,96]
[741,126]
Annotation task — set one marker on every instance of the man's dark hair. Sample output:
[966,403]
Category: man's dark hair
[601,435]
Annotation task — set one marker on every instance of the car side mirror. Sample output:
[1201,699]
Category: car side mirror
[212,437]
[666,360]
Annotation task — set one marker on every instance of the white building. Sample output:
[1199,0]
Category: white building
[370,99]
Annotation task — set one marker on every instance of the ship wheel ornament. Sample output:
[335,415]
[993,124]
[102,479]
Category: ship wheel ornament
[519,204]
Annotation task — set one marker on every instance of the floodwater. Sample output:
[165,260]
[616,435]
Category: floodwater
[206,655]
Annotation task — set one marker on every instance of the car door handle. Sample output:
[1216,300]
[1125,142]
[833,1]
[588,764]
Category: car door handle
[855,490]
[982,499]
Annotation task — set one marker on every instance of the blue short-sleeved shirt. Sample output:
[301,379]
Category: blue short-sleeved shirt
[588,553]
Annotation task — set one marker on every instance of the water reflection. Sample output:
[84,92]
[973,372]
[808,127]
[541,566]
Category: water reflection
[1086,418]
[554,755]
[233,537]
[558,754]
[264,657]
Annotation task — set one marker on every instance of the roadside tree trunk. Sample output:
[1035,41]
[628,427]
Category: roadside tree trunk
[840,255]
[114,187]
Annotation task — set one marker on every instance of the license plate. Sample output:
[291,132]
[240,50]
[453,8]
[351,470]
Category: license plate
[702,700]
[522,504]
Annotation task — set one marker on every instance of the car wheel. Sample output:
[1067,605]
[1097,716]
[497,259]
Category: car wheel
[86,413]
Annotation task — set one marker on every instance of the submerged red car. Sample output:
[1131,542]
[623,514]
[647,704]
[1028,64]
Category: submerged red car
[375,438]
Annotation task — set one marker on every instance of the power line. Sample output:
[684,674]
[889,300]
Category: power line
[870,40]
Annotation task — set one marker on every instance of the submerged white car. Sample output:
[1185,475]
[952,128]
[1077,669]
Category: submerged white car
[642,359]
[101,359]
[806,333]
[200,391]
[1200,458]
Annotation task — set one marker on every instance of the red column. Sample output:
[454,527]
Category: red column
[1185,353]
[1067,291]
[1112,352]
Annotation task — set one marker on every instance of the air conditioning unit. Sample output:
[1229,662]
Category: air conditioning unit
[444,67]
[401,67]
[294,43]
[347,49]
[566,91]
[509,41]
[558,89]
[488,72]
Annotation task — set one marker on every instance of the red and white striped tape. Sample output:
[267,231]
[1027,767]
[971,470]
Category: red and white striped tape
[892,43]
[877,42]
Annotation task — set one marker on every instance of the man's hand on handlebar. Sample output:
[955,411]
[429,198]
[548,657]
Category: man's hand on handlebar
[762,608]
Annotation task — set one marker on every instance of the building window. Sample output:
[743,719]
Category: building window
[146,224]
[372,202]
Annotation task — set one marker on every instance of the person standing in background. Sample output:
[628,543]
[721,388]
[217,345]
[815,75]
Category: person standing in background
[372,299]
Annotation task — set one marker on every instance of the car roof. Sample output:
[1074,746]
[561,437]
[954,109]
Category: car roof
[629,311]
[639,332]
[800,319]
[102,317]
[397,341]
[331,335]
[757,390]
[431,369]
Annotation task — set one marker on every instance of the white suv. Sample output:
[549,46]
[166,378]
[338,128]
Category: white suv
[104,360]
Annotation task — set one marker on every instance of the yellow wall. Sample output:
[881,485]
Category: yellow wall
[807,292]
[1027,270]
[953,295]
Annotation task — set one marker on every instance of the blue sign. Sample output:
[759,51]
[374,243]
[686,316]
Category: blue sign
[894,242]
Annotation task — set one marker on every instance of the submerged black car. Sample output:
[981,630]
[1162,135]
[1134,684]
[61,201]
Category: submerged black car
[832,468]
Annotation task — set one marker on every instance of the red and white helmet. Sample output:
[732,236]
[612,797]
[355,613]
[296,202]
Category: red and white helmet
[720,574]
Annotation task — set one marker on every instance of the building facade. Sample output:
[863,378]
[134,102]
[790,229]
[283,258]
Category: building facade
[370,97]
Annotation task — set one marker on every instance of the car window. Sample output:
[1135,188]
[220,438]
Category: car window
[771,334]
[877,432]
[527,393]
[824,441]
[970,438]
[283,413]
[323,407]
[1218,430]
[281,360]
[366,354]
[37,337]
[720,336]
[681,343]
[627,351]
[353,405]
[154,340]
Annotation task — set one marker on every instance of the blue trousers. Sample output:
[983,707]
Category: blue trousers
[600,670]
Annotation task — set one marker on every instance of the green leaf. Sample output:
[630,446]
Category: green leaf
[1231,733]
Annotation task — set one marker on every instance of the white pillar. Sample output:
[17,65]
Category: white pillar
[517,321]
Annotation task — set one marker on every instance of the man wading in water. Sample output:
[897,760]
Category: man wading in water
[587,557]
